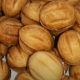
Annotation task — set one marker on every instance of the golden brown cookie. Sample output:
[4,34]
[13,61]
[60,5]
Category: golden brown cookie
[57,16]
[12,8]
[31,11]
[69,47]
[17,58]
[35,38]
[9,28]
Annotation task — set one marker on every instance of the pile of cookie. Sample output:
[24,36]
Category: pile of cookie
[40,39]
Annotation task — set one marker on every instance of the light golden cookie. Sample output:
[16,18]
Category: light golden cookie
[45,65]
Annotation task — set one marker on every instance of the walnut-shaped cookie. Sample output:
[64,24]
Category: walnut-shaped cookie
[57,16]
[31,11]
[17,58]
[12,8]
[44,65]
[24,76]
[35,38]
[9,28]
[69,47]
[4,71]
